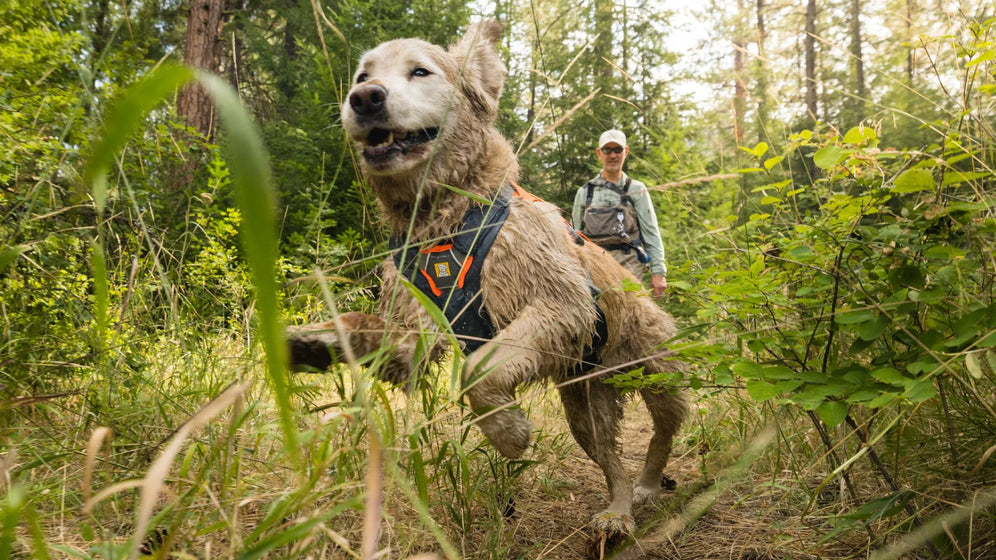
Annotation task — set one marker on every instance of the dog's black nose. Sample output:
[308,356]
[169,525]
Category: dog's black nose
[368,99]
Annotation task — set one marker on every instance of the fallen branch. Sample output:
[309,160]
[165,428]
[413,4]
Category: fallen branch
[695,181]
[561,120]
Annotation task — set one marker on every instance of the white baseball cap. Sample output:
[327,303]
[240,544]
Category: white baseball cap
[610,136]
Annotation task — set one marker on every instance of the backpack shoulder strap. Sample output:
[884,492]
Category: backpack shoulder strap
[591,193]
[624,192]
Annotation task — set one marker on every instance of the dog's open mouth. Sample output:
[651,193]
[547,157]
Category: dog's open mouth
[381,143]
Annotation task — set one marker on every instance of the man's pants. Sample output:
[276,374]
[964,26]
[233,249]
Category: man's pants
[630,262]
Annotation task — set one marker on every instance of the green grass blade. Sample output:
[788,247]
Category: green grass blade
[284,536]
[9,255]
[126,114]
[425,516]
[250,167]
[257,200]
[37,533]
[100,294]
[416,468]
[10,512]
[434,312]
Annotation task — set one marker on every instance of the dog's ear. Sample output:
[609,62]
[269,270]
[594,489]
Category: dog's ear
[481,71]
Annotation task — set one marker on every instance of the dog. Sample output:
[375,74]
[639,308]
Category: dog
[423,121]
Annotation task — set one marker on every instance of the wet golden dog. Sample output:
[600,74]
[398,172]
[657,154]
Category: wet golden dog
[422,118]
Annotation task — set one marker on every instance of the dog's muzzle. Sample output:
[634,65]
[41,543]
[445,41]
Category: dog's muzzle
[368,100]
[380,145]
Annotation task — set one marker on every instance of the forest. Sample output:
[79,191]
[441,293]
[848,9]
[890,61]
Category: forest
[176,187]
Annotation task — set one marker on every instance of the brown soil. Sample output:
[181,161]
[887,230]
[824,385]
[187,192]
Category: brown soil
[758,526]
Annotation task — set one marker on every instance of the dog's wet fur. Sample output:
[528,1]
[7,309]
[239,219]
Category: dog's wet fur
[422,118]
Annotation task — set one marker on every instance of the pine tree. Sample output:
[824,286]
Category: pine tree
[201,49]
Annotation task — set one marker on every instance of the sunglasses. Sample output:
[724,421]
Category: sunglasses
[616,150]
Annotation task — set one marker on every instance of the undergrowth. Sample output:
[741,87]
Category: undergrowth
[840,322]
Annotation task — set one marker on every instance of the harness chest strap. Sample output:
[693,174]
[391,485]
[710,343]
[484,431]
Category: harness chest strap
[438,260]
[449,273]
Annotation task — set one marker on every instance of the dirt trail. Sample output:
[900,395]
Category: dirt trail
[553,527]
[736,527]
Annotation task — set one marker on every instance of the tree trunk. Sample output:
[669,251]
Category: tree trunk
[286,81]
[739,87]
[98,43]
[909,40]
[739,92]
[625,39]
[859,65]
[810,48]
[602,51]
[762,76]
[101,33]
[202,49]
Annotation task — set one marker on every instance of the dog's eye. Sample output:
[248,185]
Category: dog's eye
[420,72]
[362,77]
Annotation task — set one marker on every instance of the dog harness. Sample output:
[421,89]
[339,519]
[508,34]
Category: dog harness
[449,273]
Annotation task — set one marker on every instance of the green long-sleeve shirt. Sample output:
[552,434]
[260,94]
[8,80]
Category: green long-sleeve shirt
[645,214]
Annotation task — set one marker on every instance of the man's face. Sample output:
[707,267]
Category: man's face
[612,161]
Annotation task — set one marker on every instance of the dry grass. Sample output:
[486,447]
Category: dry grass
[760,516]
[738,526]
[231,477]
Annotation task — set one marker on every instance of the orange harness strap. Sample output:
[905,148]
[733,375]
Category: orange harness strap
[523,193]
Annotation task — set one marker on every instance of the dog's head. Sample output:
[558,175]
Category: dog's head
[412,101]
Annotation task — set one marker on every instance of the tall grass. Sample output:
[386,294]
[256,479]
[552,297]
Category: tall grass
[164,440]
[189,449]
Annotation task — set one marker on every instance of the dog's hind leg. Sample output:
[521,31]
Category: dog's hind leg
[593,411]
[667,411]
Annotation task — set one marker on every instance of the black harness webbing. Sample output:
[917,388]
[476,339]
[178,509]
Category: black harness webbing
[449,274]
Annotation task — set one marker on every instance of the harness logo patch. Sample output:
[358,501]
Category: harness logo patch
[442,269]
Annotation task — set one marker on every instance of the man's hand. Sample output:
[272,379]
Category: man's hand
[658,285]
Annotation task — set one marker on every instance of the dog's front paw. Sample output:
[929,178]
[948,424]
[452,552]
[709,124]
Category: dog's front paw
[507,430]
[645,494]
[611,522]
[319,345]
[309,352]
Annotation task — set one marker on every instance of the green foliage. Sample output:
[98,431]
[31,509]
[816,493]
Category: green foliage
[849,282]
[216,277]
[861,289]
[883,507]
[40,100]
[845,277]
